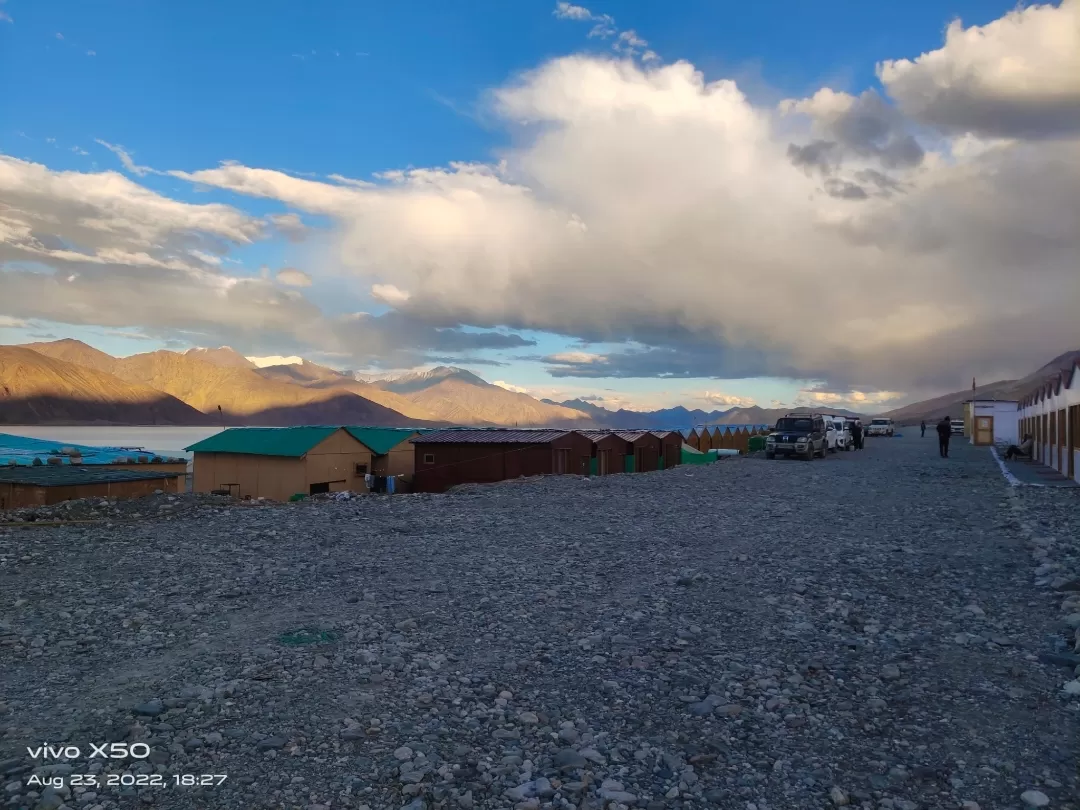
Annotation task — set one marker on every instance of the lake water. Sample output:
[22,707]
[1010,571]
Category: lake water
[163,440]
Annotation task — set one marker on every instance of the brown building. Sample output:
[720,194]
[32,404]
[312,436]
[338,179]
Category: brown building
[393,454]
[646,448]
[444,458]
[671,443]
[277,463]
[44,485]
[693,438]
[609,452]
[705,439]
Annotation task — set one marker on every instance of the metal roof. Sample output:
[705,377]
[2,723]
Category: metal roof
[67,475]
[292,442]
[491,436]
[381,440]
[631,435]
[24,449]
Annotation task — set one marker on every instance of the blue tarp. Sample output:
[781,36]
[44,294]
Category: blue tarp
[23,450]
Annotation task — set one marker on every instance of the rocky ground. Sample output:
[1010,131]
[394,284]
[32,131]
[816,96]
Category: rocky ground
[882,629]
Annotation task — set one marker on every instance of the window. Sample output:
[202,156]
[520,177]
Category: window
[361,469]
[429,458]
[319,489]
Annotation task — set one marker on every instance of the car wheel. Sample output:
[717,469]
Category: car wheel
[809,456]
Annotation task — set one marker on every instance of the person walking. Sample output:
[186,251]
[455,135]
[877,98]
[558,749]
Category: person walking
[922,427]
[944,433]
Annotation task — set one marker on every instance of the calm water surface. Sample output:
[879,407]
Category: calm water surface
[163,440]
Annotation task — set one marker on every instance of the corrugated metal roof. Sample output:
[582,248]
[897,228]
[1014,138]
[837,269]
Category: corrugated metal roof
[381,440]
[282,441]
[631,435]
[24,449]
[490,436]
[66,475]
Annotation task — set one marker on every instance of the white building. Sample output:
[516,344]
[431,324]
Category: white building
[992,421]
[1051,414]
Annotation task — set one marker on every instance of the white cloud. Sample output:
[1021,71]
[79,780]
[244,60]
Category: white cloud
[91,53]
[7,322]
[5,17]
[276,360]
[59,36]
[78,150]
[517,389]
[389,294]
[717,399]
[292,277]
[574,357]
[1016,76]
[126,159]
[568,11]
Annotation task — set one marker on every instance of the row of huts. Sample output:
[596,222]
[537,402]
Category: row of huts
[282,463]
[1050,414]
[291,462]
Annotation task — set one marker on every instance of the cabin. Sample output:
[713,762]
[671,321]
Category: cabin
[47,484]
[446,458]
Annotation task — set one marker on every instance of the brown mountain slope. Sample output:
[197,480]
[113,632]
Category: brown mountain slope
[953,404]
[242,394]
[458,396]
[75,351]
[223,356]
[36,389]
[312,375]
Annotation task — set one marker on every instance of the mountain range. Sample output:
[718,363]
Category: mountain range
[69,382]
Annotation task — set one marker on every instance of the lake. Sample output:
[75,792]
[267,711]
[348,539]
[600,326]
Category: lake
[162,440]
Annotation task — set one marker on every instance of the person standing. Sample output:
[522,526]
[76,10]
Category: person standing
[856,435]
[944,433]
[922,427]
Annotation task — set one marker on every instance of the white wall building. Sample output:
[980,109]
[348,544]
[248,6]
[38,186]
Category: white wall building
[1051,414]
[992,421]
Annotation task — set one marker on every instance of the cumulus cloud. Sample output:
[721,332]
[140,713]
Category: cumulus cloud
[292,277]
[97,249]
[705,249]
[1018,76]
[694,233]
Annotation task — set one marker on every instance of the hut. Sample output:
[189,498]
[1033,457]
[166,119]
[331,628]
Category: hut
[392,452]
[48,484]
[692,438]
[705,439]
[1051,414]
[445,458]
[609,452]
[670,447]
[277,463]
[646,447]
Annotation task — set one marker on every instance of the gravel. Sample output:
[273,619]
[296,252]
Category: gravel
[881,629]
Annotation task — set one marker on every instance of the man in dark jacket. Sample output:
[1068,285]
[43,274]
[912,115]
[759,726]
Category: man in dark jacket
[944,433]
[922,427]
[856,434]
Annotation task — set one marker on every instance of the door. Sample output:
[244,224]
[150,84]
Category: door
[1074,440]
[639,459]
[604,462]
[984,430]
[562,461]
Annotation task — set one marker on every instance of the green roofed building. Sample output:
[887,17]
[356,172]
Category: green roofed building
[278,463]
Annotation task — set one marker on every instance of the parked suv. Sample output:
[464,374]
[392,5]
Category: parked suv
[880,427]
[957,426]
[798,434]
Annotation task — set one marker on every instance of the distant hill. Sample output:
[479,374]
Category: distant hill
[75,351]
[953,404]
[680,418]
[459,396]
[36,389]
[312,375]
[223,356]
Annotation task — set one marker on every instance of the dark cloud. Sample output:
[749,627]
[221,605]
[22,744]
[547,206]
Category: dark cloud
[844,189]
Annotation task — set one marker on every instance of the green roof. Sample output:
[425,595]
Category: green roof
[381,440]
[252,441]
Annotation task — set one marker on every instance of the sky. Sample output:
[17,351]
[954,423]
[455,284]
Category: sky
[641,204]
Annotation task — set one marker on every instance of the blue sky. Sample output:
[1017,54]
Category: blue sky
[354,89]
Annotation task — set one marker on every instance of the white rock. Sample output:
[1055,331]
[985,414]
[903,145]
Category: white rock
[1035,798]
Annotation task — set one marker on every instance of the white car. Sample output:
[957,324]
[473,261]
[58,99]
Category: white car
[880,427]
[843,434]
